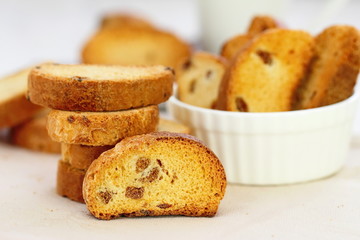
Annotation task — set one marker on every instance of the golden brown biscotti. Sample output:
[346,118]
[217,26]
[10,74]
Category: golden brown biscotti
[260,24]
[118,20]
[14,107]
[155,174]
[97,88]
[265,76]
[334,69]
[231,47]
[135,46]
[172,126]
[33,135]
[101,128]
[81,156]
[69,181]
[198,79]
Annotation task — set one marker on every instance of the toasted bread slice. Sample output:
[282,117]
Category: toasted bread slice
[155,174]
[69,181]
[264,77]
[234,45]
[334,69]
[81,156]
[260,24]
[14,107]
[198,79]
[97,88]
[118,20]
[172,126]
[135,46]
[101,128]
[32,134]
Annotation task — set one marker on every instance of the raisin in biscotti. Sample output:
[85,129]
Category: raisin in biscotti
[258,25]
[101,128]
[198,79]
[14,107]
[135,46]
[155,174]
[334,69]
[98,88]
[69,181]
[81,156]
[265,76]
[32,134]
[171,126]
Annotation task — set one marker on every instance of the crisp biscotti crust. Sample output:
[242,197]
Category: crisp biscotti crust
[334,69]
[261,23]
[69,181]
[81,156]
[118,20]
[231,47]
[266,74]
[199,77]
[135,46]
[155,174]
[33,135]
[101,128]
[96,88]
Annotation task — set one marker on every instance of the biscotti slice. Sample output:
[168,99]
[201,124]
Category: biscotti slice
[334,69]
[231,47]
[69,181]
[118,20]
[98,88]
[135,46]
[258,25]
[261,23]
[264,77]
[81,156]
[198,79]
[33,135]
[172,126]
[155,174]
[101,128]
[14,107]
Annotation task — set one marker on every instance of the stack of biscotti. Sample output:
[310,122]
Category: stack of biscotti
[93,108]
[129,40]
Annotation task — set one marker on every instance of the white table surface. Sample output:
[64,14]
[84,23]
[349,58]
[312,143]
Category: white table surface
[324,209]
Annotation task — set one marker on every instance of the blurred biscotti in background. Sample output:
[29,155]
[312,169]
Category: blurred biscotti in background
[127,40]
[14,105]
[198,78]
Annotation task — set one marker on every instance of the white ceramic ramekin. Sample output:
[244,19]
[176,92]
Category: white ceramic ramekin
[274,148]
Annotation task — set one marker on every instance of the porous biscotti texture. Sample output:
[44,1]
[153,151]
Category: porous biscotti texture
[81,156]
[14,107]
[265,76]
[69,181]
[155,174]
[258,25]
[101,128]
[198,79]
[118,20]
[32,134]
[98,88]
[172,126]
[334,69]
[135,46]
